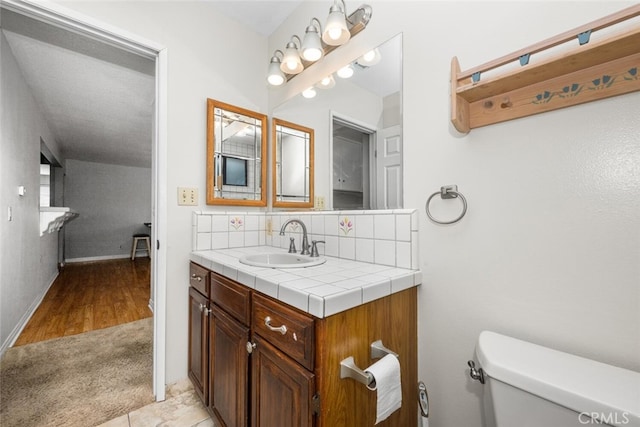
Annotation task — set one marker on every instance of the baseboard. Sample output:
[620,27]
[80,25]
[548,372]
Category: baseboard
[96,258]
[13,336]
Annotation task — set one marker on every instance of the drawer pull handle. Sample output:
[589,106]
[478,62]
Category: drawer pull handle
[282,329]
[197,278]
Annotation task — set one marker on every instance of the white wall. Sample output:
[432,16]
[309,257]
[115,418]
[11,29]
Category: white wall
[113,201]
[209,56]
[28,262]
[549,250]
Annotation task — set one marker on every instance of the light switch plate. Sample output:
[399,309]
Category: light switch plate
[318,203]
[187,196]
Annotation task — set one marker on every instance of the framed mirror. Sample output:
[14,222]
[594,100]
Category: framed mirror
[236,145]
[292,165]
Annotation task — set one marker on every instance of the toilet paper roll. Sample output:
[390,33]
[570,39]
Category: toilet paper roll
[386,374]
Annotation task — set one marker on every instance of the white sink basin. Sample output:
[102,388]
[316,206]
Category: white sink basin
[281,260]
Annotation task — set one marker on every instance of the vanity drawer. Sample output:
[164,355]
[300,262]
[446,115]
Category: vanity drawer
[199,278]
[232,297]
[271,319]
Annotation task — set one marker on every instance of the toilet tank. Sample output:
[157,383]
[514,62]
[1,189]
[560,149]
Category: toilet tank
[528,385]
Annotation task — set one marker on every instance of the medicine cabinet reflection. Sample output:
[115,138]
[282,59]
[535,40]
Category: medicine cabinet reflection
[292,165]
[236,145]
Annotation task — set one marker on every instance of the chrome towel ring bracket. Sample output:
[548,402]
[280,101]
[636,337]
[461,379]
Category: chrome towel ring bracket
[447,192]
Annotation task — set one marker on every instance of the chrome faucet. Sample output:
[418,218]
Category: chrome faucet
[305,240]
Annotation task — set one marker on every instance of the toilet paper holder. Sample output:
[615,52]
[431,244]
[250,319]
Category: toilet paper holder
[349,369]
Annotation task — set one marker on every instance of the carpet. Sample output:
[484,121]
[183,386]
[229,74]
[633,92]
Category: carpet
[81,380]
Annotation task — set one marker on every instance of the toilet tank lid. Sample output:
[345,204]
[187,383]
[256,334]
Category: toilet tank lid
[574,382]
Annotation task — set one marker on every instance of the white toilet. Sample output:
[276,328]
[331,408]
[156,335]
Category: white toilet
[527,385]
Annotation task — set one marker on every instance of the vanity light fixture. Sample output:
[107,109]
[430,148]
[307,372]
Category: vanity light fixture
[291,63]
[312,46]
[275,76]
[345,72]
[339,29]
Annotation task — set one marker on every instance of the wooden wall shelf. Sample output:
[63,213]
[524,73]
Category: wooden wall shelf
[592,71]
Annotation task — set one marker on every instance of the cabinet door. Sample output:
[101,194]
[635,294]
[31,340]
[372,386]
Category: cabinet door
[281,389]
[229,365]
[198,343]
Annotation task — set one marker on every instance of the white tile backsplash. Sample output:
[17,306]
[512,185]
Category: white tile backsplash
[382,237]
[384,227]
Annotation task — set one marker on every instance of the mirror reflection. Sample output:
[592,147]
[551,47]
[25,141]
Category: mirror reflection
[357,114]
[236,142]
[292,164]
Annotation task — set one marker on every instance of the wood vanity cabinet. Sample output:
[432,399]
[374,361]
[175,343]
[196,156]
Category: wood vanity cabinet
[198,368]
[259,376]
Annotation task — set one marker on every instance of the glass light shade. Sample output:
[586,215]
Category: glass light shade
[311,45]
[336,32]
[326,83]
[291,63]
[370,58]
[275,77]
[345,72]
[309,92]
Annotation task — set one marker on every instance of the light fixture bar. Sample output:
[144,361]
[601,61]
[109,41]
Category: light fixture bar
[356,22]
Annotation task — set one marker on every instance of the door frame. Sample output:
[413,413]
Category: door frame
[63,17]
[373,134]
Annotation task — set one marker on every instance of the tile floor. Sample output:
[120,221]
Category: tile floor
[182,408]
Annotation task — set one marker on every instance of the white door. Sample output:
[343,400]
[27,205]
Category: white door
[389,168]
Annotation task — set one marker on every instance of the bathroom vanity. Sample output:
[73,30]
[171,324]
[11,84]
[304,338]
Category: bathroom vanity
[256,360]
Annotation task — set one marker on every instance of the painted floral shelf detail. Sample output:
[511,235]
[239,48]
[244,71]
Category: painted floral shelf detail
[587,72]
[575,89]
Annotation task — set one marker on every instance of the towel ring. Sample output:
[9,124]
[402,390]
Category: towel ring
[447,192]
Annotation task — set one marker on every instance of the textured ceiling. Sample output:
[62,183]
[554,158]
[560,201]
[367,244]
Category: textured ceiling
[97,99]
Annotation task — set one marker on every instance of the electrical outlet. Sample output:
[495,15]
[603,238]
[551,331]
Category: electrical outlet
[187,196]
[319,203]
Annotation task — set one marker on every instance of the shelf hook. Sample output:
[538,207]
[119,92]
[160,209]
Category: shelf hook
[583,38]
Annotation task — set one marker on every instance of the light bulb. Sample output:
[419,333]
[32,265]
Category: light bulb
[291,65]
[309,93]
[345,72]
[335,33]
[369,55]
[275,79]
[312,54]
[325,81]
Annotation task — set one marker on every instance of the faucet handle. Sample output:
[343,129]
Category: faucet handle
[314,248]
[292,245]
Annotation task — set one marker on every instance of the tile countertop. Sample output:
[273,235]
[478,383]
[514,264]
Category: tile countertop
[322,291]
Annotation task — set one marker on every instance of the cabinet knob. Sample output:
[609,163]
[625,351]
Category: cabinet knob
[196,278]
[250,347]
[202,306]
[282,329]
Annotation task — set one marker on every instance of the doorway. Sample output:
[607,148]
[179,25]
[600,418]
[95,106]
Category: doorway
[60,17]
[353,147]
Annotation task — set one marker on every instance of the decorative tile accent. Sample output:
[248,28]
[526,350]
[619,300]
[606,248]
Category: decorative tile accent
[345,225]
[236,222]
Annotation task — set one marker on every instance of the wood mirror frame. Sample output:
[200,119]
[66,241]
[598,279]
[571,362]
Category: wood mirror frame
[307,199]
[217,192]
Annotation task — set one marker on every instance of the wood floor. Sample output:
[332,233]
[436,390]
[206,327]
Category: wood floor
[89,296]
